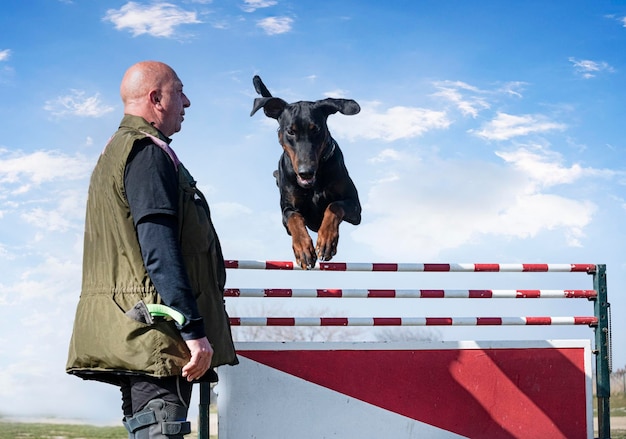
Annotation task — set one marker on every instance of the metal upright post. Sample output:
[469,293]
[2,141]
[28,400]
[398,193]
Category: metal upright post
[602,352]
[205,401]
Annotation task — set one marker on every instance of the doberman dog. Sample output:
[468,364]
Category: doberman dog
[315,188]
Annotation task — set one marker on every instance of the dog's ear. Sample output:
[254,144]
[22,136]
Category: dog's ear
[348,107]
[260,88]
[273,107]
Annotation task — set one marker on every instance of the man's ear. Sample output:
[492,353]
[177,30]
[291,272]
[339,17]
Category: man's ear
[155,97]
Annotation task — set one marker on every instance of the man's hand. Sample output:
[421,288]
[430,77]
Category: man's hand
[201,354]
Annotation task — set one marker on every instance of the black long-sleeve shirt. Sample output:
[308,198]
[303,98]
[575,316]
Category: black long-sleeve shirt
[151,184]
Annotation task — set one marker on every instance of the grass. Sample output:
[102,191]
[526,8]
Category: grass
[618,405]
[11,430]
[16,430]
[618,410]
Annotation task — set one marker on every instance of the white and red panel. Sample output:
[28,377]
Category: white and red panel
[492,390]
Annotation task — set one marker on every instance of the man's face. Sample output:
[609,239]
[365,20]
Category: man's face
[173,102]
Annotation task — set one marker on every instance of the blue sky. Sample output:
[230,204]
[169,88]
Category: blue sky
[489,132]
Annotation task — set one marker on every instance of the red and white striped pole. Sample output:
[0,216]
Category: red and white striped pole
[413,267]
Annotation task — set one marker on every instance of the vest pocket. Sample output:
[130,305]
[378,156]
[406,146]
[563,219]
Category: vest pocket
[122,343]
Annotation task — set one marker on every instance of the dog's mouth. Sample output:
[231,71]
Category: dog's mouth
[306,182]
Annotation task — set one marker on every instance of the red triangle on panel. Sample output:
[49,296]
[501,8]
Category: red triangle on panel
[488,393]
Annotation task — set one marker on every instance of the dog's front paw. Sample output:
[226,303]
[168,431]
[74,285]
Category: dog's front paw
[328,233]
[326,246]
[305,253]
[301,242]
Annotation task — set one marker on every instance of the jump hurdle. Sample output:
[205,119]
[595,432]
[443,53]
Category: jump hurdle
[469,351]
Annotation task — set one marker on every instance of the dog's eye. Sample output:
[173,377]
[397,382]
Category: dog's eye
[314,129]
[290,132]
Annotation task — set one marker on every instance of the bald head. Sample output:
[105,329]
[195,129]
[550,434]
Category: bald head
[152,90]
[142,78]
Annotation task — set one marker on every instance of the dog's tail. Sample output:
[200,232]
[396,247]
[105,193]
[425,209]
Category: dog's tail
[260,87]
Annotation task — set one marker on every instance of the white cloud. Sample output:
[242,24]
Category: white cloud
[253,5]
[532,213]
[392,124]
[156,19]
[471,100]
[231,210]
[43,195]
[545,167]
[513,88]
[389,154]
[42,200]
[506,126]
[589,69]
[275,25]
[53,277]
[67,212]
[470,202]
[6,72]
[455,92]
[27,170]
[338,93]
[77,104]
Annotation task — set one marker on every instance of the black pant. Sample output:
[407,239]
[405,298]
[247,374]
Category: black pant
[137,391]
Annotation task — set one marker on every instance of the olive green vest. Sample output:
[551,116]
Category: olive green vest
[105,341]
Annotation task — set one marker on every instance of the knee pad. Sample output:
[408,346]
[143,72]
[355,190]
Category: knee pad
[159,420]
[131,435]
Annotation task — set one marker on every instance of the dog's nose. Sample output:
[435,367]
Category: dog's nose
[306,177]
[306,174]
[306,168]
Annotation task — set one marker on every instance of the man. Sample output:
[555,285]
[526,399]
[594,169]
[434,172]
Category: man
[151,316]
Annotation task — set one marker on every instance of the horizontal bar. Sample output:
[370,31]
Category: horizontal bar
[412,321]
[413,267]
[408,293]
